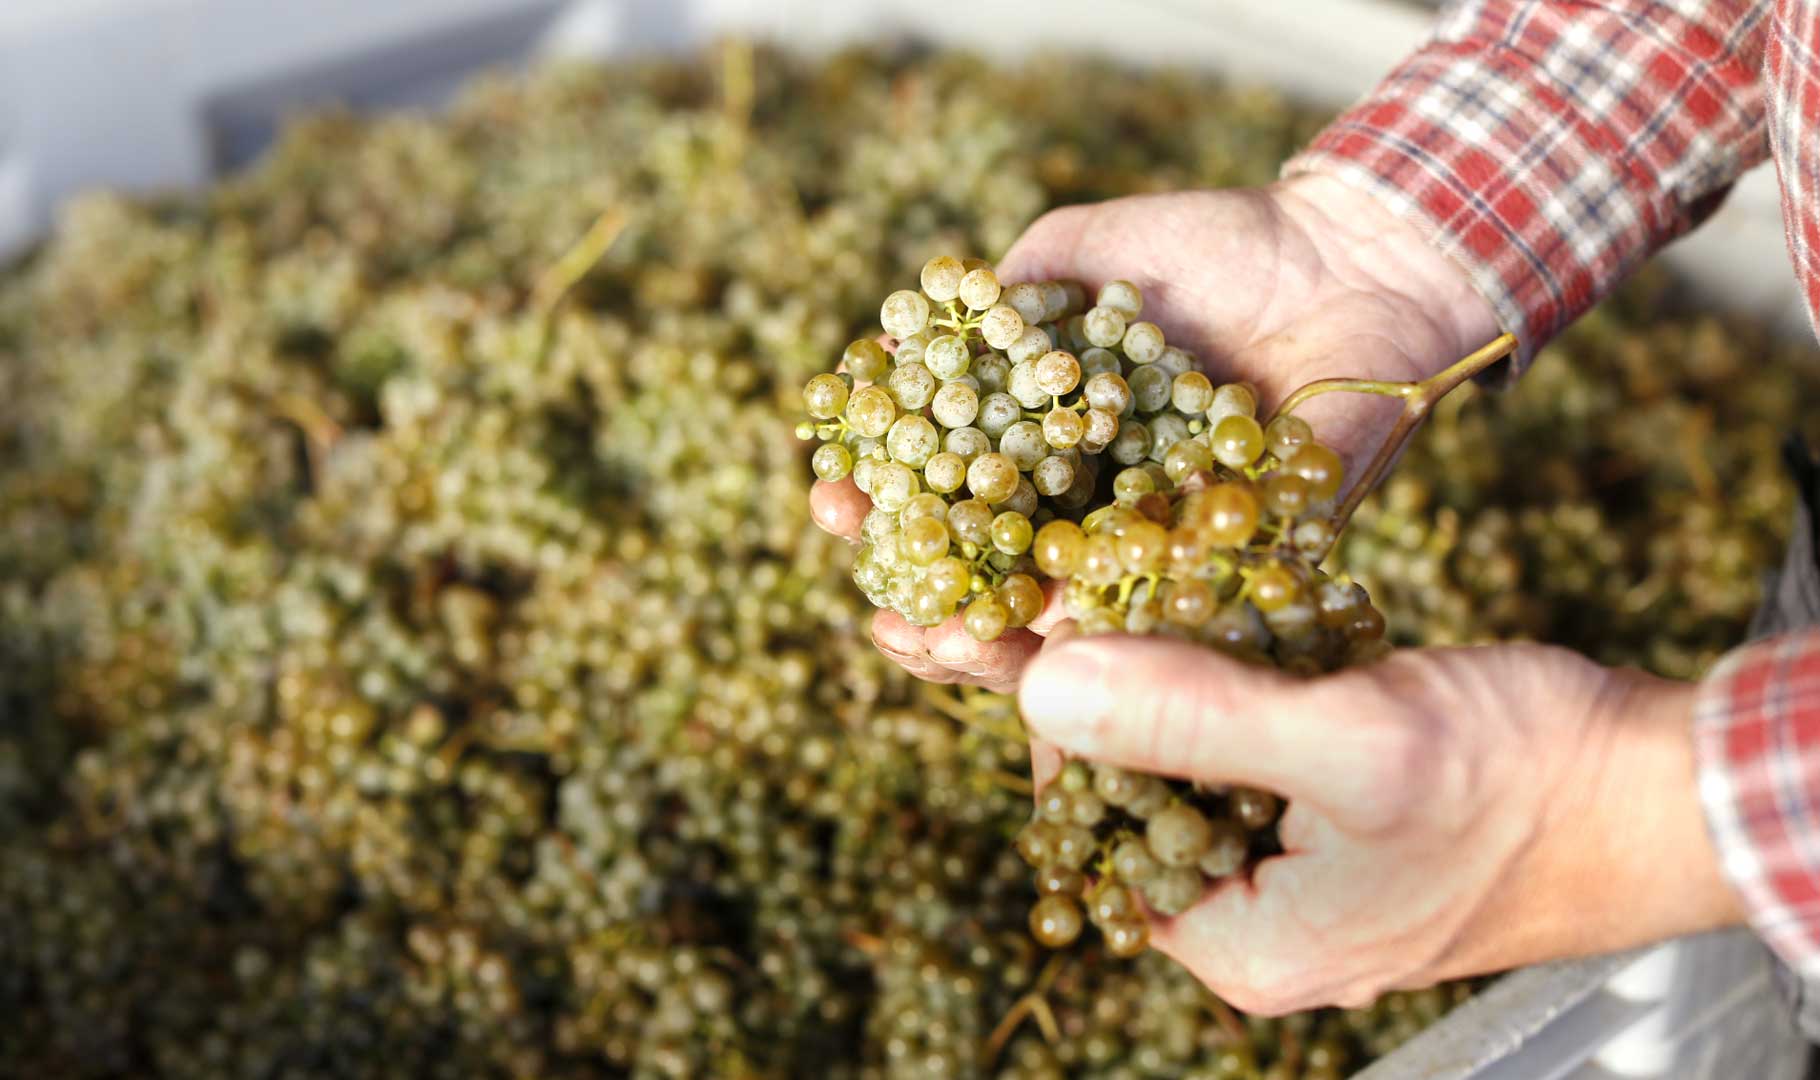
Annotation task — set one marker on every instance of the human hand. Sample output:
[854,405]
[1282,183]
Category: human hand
[1278,286]
[1452,812]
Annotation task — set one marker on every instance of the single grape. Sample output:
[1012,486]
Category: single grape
[1131,444]
[1191,392]
[1098,361]
[1058,548]
[1228,847]
[949,578]
[912,440]
[990,370]
[925,540]
[1143,342]
[1229,514]
[1272,586]
[910,349]
[1238,441]
[1173,890]
[1321,467]
[893,484]
[1063,428]
[1099,429]
[945,472]
[903,313]
[1313,537]
[967,442]
[980,289]
[1001,326]
[1055,805]
[1035,843]
[971,521]
[1074,845]
[912,386]
[1286,435]
[1285,494]
[1089,809]
[1232,399]
[1150,389]
[1121,296]
[1011,533]
[1253,808]
[1055,921]
[942,278]
[1109,391]
[1029,347]
[1060,881]
[1053,475]
[1024,386]
[825,396]
[955,405]
[985,618]
[1099,563]
[1026,298]
[871,411]
[927,607]
[1185,457]
[1151,796]
[1188,603]
[947,357]
[1057,301]
[1165,431]
[866,360]
[1111,903]
[1132,484]
[1057,373]
[1174,362]
[1132,862]
[1142,547]
[926,505]
[993,477]
[1178,835]
[1367,624]
[831,462]
[1103,326]
[1023,600]
[1336,602]
[1126,938]
[1024,444]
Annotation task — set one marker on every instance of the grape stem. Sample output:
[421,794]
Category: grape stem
[1418,398]
[1032,1004]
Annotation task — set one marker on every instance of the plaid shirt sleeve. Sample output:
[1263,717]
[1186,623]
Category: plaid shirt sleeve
[1757,743]
[1549,147]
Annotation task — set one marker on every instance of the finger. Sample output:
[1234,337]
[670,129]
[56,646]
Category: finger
[1174,708]
[1045,762]
[1054,611]
[839,507]
[1000,660]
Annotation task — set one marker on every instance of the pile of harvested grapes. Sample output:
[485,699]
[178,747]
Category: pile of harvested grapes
[415,658]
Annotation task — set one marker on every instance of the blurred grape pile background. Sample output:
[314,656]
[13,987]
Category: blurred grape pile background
[415,657]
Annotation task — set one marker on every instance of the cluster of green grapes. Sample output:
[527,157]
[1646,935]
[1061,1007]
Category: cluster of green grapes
[992,413]
[1211,529]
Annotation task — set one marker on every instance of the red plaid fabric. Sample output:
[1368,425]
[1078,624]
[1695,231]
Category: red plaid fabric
[1757,739]
[1549,147]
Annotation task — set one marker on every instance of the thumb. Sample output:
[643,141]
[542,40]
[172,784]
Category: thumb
[1179,709]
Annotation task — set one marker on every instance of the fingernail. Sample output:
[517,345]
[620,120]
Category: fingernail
[1066,697]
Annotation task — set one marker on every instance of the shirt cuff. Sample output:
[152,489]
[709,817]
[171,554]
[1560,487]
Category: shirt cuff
[1757,747]
[1550,159]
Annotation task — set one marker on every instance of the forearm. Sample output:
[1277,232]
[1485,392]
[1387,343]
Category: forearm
[1550,147]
